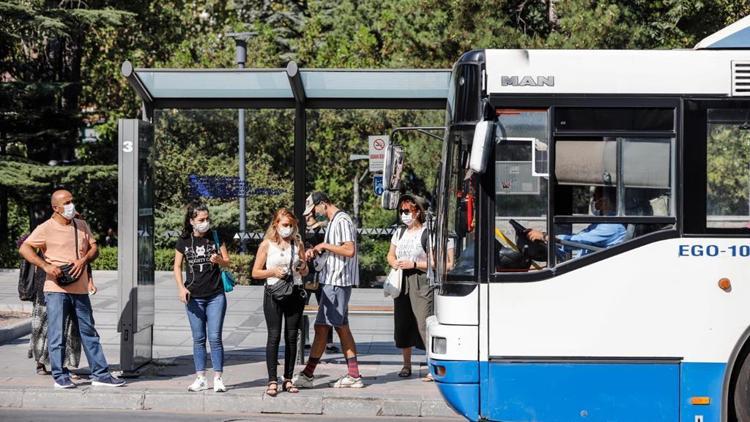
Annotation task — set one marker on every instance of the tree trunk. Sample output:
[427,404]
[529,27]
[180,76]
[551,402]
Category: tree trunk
[552,13]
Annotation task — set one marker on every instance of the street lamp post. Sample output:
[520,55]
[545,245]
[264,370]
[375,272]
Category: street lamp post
[357,180]
[240,42]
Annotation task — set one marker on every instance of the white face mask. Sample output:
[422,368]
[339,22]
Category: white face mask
[69,211]
[407,219]
[285,232]
[202,227]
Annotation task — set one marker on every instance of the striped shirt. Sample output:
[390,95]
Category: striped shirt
[340,270]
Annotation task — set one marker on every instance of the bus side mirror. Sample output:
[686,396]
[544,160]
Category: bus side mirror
[393,165]
[481,146]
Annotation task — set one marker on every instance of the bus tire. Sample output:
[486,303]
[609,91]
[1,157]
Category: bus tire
[742,392]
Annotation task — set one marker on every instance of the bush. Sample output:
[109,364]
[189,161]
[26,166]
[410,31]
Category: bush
[107,259]
[373,260]
[240,267]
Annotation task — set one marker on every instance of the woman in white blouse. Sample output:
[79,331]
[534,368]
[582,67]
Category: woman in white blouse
[281,253]
[408,252]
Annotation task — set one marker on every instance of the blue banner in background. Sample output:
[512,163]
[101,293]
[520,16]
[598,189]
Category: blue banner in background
[225,187]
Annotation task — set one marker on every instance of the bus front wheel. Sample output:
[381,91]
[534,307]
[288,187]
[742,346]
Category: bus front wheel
[742,392]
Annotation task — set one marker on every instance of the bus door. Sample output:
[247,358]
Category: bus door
[573,186]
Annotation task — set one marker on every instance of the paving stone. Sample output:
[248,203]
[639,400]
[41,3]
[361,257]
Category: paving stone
[436,408]
[401,408]
[73,398]
[352,406]
[232,403]
[119,398]
[174,402]
[11,398]
[299,404]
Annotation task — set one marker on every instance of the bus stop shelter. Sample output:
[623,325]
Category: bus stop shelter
[289,88]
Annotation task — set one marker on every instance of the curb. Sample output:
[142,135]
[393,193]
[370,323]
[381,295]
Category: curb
[15,331]
[121,399]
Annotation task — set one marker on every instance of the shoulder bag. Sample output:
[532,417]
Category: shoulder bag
[226,277]
[285,286]
[66,277]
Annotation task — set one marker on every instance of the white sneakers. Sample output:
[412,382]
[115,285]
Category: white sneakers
[302,381]
[348,381]
[201,383]
[219,385]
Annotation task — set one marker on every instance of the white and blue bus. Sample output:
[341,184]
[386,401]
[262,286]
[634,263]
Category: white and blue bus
[653,323]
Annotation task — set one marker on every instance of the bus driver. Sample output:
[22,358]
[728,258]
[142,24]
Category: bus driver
[603,235]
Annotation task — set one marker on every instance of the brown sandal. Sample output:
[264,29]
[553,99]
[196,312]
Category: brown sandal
[289,387]
[405,372]
[272,391]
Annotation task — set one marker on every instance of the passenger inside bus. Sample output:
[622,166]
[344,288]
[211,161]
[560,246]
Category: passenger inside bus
[598,235]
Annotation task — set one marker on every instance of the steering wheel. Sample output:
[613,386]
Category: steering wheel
[536,250]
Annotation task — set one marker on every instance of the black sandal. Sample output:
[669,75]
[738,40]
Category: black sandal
[41,370]
[405,372]
[289,387]
[272,391]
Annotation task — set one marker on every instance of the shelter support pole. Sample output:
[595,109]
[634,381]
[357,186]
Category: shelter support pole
[300,147]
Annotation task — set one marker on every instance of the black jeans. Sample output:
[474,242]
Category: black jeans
[290,309]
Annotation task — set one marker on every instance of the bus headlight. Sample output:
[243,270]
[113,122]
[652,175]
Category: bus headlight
[439,345]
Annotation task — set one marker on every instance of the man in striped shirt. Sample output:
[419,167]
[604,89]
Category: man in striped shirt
[336,260]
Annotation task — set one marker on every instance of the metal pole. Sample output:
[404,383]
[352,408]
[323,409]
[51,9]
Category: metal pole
[356,199]
[241,54]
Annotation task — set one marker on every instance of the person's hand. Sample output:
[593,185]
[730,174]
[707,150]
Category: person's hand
[91,287]
[310,254]
[279,272]
[78,267]
[215,258]
[405,264]
[183,295]
[319,248]
[53,271]
[534,235]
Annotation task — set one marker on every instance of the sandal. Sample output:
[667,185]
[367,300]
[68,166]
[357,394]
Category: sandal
[41,370]
[405,372]
[289,387]
[272,389]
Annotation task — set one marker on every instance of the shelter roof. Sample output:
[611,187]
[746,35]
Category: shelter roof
[284,88]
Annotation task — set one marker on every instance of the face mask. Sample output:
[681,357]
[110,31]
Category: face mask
[594,209]
[69,211]
[285,232]
[407,219]
[320,216]
[202,227]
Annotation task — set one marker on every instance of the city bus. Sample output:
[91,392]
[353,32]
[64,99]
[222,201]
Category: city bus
[592,248]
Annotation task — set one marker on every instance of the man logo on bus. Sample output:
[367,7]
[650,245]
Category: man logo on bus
[528,81]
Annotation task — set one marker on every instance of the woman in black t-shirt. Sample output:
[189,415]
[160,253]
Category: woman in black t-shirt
[202,292]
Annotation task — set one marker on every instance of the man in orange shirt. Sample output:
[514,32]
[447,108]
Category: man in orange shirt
[67,241]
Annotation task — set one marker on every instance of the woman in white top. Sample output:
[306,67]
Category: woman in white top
[408,252]
[281,253]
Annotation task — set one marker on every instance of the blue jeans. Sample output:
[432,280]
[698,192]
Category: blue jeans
[59,306]
[207,313]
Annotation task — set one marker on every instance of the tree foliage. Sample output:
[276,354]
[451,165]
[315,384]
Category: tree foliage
[60,64]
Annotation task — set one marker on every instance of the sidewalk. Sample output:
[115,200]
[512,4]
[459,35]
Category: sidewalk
[163,384]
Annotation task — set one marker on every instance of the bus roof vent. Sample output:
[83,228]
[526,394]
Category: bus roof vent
[740,78]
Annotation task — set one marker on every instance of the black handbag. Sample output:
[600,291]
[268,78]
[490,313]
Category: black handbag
[26,285]
[66,276]
[284,288]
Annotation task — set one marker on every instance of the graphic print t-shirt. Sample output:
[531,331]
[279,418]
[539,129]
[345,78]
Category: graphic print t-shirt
[202,278]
